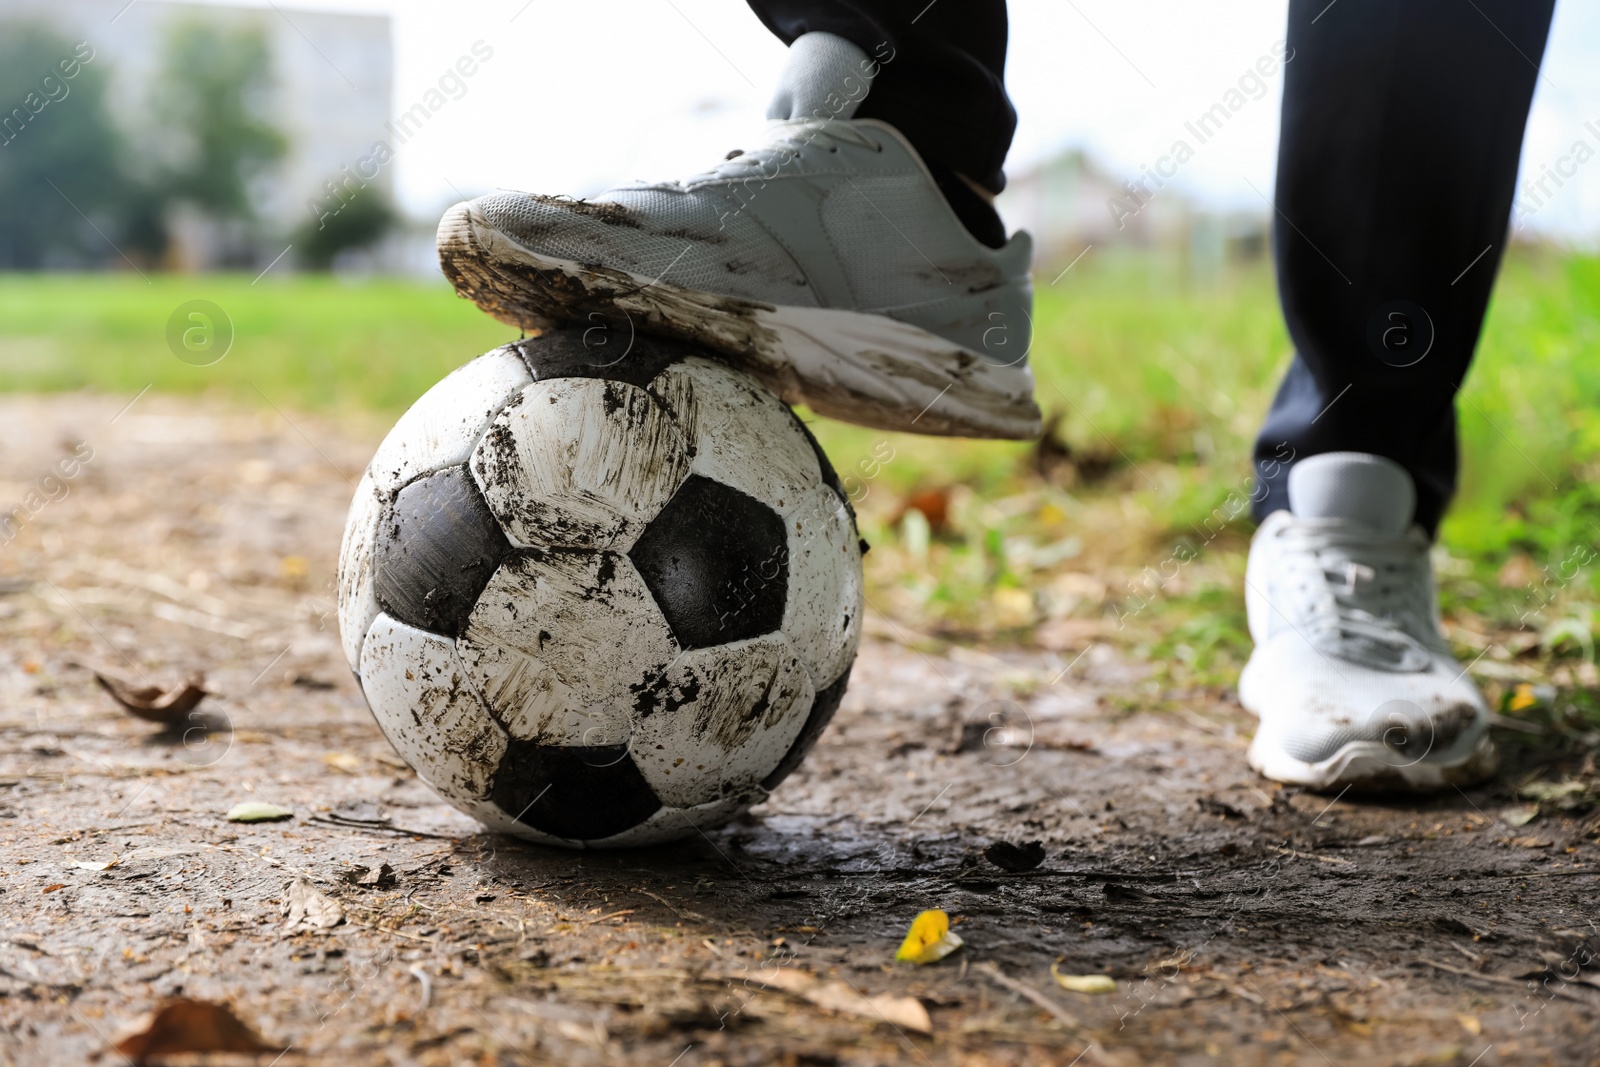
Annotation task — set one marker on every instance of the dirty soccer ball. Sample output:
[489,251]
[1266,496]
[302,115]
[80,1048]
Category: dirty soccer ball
[600,604]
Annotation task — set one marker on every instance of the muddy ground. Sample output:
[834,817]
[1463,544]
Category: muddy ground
[1244,922]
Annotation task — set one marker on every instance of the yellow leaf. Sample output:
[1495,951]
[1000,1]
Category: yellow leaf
[1522,698]
[929,940]
[1083,983]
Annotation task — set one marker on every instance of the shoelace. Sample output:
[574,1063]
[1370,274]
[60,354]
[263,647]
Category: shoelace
[782,140]
[1362,598]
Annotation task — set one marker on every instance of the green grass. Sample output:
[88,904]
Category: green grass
[1156,380]
[304,342]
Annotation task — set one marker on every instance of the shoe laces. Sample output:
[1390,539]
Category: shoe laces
[781,143]
[1360,596]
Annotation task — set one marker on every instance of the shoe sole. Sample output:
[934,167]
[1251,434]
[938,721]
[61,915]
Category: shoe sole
[859,367]
[1370,766]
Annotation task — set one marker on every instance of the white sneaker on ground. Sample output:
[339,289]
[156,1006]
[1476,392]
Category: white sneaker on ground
[1351,678]
[824,260]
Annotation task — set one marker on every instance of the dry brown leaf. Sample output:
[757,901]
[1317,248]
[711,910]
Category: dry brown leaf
[185,1025]
[152,703]
[309,907]
[907,1013]
[935,507]
[1531,842]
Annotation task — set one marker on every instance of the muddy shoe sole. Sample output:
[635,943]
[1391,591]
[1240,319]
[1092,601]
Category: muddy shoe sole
[858,367]
[1371,767]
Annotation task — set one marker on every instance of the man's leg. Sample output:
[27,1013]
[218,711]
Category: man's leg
[1402,123]
[942,82]
[1401,129]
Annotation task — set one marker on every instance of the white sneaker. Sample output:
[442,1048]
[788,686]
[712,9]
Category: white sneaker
[1350,677]
[824,260]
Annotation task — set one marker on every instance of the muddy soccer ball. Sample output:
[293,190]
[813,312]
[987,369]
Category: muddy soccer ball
[600,605]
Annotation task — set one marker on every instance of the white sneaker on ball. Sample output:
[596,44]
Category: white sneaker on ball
[824,260]
[1351,678]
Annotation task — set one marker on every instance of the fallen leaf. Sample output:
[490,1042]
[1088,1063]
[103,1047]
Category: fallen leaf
[258,811]
[189,1026]
[934,505]
[309,907]
[1522,698]
[1015,858]
[1083,983]
[85,865]
[342,761]
[1552,790]
[1521,815]
[929,940]
[307,681]
[53,887]
[1470,1023]
[152,703]
[1214,806]
[379,877]
[1531,842]
[363,813]
[907,1013]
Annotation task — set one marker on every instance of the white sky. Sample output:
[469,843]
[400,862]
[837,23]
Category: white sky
[581,95]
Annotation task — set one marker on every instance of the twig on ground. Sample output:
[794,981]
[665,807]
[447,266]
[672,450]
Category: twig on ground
[995,975]
[416,971]
[1498,979]
[1312,856]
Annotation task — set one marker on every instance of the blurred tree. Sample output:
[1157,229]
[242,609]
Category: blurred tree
[211,105]
[360,222]
[60,176]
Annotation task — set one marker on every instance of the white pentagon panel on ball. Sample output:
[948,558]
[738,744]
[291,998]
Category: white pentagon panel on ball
[743,436]
[580,463]
[719,719]
[442,427]
[358,604]
[557,642]
[675,824]
[427,708]
[822,616]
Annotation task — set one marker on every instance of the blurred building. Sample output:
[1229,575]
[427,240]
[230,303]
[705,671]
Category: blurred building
[333,77]
[1070,202]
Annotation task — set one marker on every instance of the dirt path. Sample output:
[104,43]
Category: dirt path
[1244,923]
